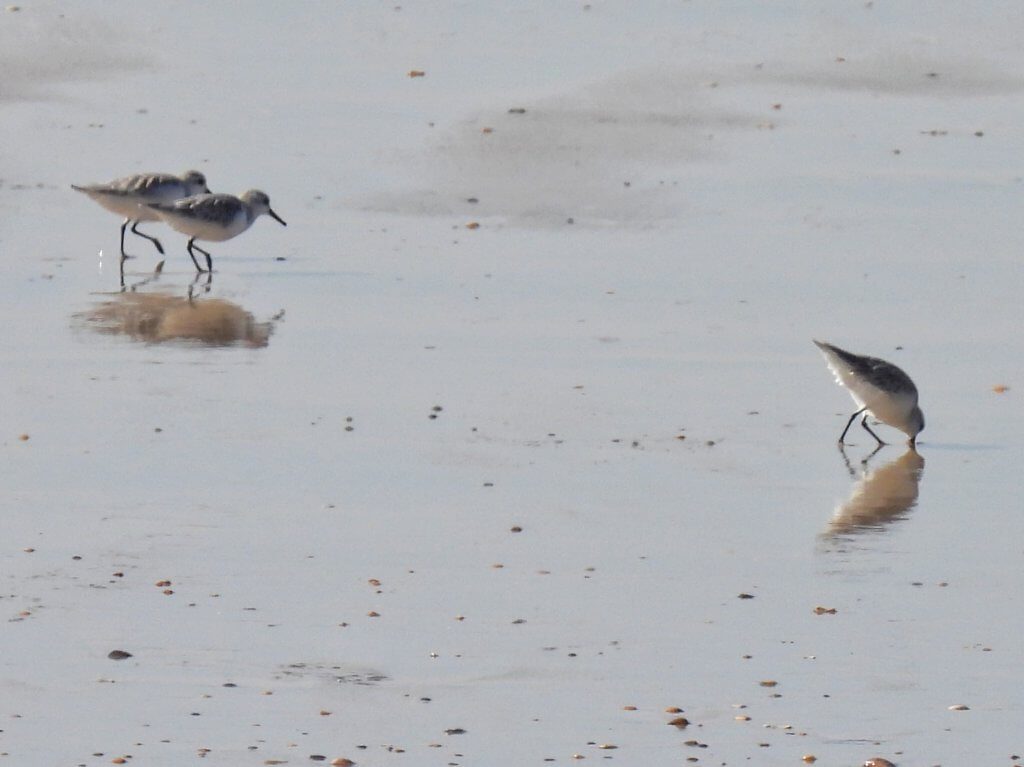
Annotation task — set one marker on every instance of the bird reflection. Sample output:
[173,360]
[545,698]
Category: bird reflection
[880,497]
[160,317]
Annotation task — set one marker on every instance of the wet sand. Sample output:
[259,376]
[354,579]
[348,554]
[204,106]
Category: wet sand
[399,490]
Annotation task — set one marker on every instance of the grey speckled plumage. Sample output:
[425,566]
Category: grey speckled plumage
[221,209]
[214,217]
[875,371]
[130,197]
[879,388]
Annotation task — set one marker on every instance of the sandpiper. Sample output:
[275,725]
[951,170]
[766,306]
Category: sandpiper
[214,217]
[130,195]
[879,388]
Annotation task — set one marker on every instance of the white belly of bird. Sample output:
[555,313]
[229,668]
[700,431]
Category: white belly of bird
[205,229]
[129,207]
[887,407]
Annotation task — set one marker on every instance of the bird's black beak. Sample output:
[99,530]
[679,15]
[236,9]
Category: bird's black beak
[276,217]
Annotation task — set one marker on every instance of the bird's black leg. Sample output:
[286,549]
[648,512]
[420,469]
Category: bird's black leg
[850,422]
[192,246]
[209,259]
[864,423]
[123,227]
[153,240]
[193,256]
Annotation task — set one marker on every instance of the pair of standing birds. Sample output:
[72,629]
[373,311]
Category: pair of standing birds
[879,388]
[184,202]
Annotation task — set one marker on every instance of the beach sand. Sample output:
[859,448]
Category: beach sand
[515,439]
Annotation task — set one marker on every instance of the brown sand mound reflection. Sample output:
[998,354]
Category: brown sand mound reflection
[158,318]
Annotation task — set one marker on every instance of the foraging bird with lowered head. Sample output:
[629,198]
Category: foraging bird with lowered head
[879,388]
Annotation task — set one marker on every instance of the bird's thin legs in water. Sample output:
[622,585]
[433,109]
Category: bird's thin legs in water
[209,261]
[153,240]
[193,257]
[841,436]
[123,254]
[864,423]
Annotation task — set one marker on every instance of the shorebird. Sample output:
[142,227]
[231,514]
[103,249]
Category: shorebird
[214,217]
[879,388]
[130,195]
